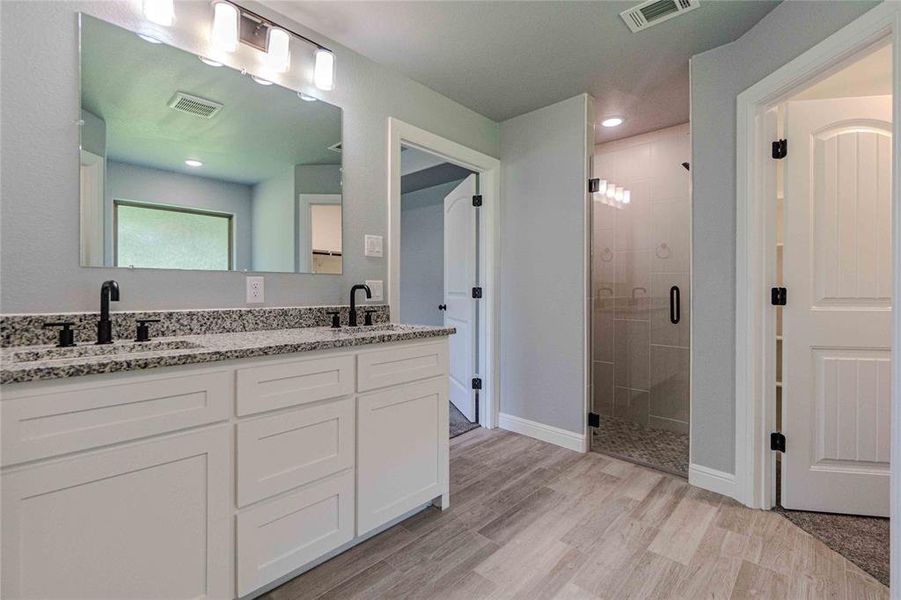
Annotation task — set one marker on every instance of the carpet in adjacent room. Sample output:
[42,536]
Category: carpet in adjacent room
[458,423]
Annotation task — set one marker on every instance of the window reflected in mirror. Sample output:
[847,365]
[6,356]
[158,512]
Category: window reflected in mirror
[188,165]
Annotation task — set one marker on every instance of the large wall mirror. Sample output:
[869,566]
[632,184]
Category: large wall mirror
[189,165]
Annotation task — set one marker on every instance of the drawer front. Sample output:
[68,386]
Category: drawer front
[402,460]
[281,385]
[284,534]
[288,450]
[393,366]
[83,417]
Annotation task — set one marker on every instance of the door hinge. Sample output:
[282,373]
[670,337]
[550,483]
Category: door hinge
[477,292]
[778,296]
[477,200]
[780,149]
[594,185]
[594,419]
[476,383]
[777,442]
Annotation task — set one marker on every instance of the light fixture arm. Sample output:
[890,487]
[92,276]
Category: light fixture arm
[270,23]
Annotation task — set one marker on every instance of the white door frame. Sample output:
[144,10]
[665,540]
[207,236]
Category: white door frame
[488,168]
[755,378]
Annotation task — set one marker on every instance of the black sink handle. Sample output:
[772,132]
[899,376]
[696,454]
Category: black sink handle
[143,333]
[66,335]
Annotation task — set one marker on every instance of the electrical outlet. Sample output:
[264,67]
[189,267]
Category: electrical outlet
[255,289]
[372,246]
[375,286]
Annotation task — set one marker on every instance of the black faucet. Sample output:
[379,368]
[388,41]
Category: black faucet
[352,319]
[108,291]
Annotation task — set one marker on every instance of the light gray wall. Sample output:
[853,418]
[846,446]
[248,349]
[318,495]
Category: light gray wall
[274,224]
[422,254]
[717,77]
[543,259]
[143,184]
[93,134]
[39,168]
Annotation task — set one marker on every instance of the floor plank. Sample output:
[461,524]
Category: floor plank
[531,520]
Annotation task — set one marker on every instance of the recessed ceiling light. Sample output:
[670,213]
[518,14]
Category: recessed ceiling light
[148,38]
[193,163]
[209,61]
[260,80]
[306,97]
[612,122]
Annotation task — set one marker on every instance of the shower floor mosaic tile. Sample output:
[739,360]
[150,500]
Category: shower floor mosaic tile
[655,448]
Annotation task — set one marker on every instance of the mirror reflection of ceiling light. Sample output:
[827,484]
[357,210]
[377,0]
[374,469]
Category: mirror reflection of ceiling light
[279,54]
[260,80]
[612,122]
[148,38]
[210,61]
[193,163]
[224,33]
[161,12]
[306,97]
[324,71]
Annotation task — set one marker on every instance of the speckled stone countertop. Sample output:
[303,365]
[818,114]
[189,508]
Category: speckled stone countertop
[20,364]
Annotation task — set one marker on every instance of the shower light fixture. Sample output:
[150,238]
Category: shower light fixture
[224,32]
[161,12]
[324,71]
[278,55]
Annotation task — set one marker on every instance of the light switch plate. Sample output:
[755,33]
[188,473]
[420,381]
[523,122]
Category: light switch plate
[377,289]
[255,290]
[372,246]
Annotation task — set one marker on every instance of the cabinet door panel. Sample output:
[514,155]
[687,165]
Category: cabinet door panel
[82,417]
[281,535]
[287,450]
[149,520]
[402,438]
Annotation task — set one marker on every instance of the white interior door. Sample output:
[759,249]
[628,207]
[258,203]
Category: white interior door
[837,321]
[460,238]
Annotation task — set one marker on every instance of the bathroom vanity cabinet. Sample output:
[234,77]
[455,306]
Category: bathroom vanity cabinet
[217,480]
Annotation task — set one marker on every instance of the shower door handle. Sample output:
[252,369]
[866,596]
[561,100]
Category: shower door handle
[675,305]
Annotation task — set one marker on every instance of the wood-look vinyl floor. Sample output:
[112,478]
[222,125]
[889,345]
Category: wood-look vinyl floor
[531,520]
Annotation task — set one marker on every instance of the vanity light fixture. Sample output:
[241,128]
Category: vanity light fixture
[618,194]
[209,61]
[161,12]
[611,190]
[602,187]
[278,55]
[193,163]
[627,197]
[260,80]
[612,122]
[224,32]
[306,97]
[324,71]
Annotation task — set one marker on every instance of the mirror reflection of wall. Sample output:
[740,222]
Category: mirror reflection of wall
[186,165]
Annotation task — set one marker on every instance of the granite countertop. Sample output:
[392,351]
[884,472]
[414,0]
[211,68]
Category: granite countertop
[35,363]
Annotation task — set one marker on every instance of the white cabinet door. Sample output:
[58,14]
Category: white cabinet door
[148,520]
[402,446]
[837,323]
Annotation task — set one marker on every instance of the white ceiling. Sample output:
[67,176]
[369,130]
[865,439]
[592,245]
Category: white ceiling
[503,59]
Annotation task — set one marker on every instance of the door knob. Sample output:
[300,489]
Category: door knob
[442,307]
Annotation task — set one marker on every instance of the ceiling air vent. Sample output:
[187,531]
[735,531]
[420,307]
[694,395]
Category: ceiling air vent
[652,12]
[194,105]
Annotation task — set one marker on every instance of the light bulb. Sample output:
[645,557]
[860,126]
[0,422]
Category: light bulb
[611,190]
[161,12]
[224,33]
[627,197]
[278,54]
[618,194]
[602,186]
[324,72]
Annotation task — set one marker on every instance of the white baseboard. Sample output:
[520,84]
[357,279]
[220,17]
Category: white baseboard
[545,433]
[712,480]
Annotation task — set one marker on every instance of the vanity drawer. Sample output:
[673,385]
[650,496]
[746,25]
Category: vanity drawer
[80,417]
[286,533]
[288,450]
[287,384]
[388,366]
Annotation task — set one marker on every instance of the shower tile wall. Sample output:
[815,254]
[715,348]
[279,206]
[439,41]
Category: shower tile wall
[640,251]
